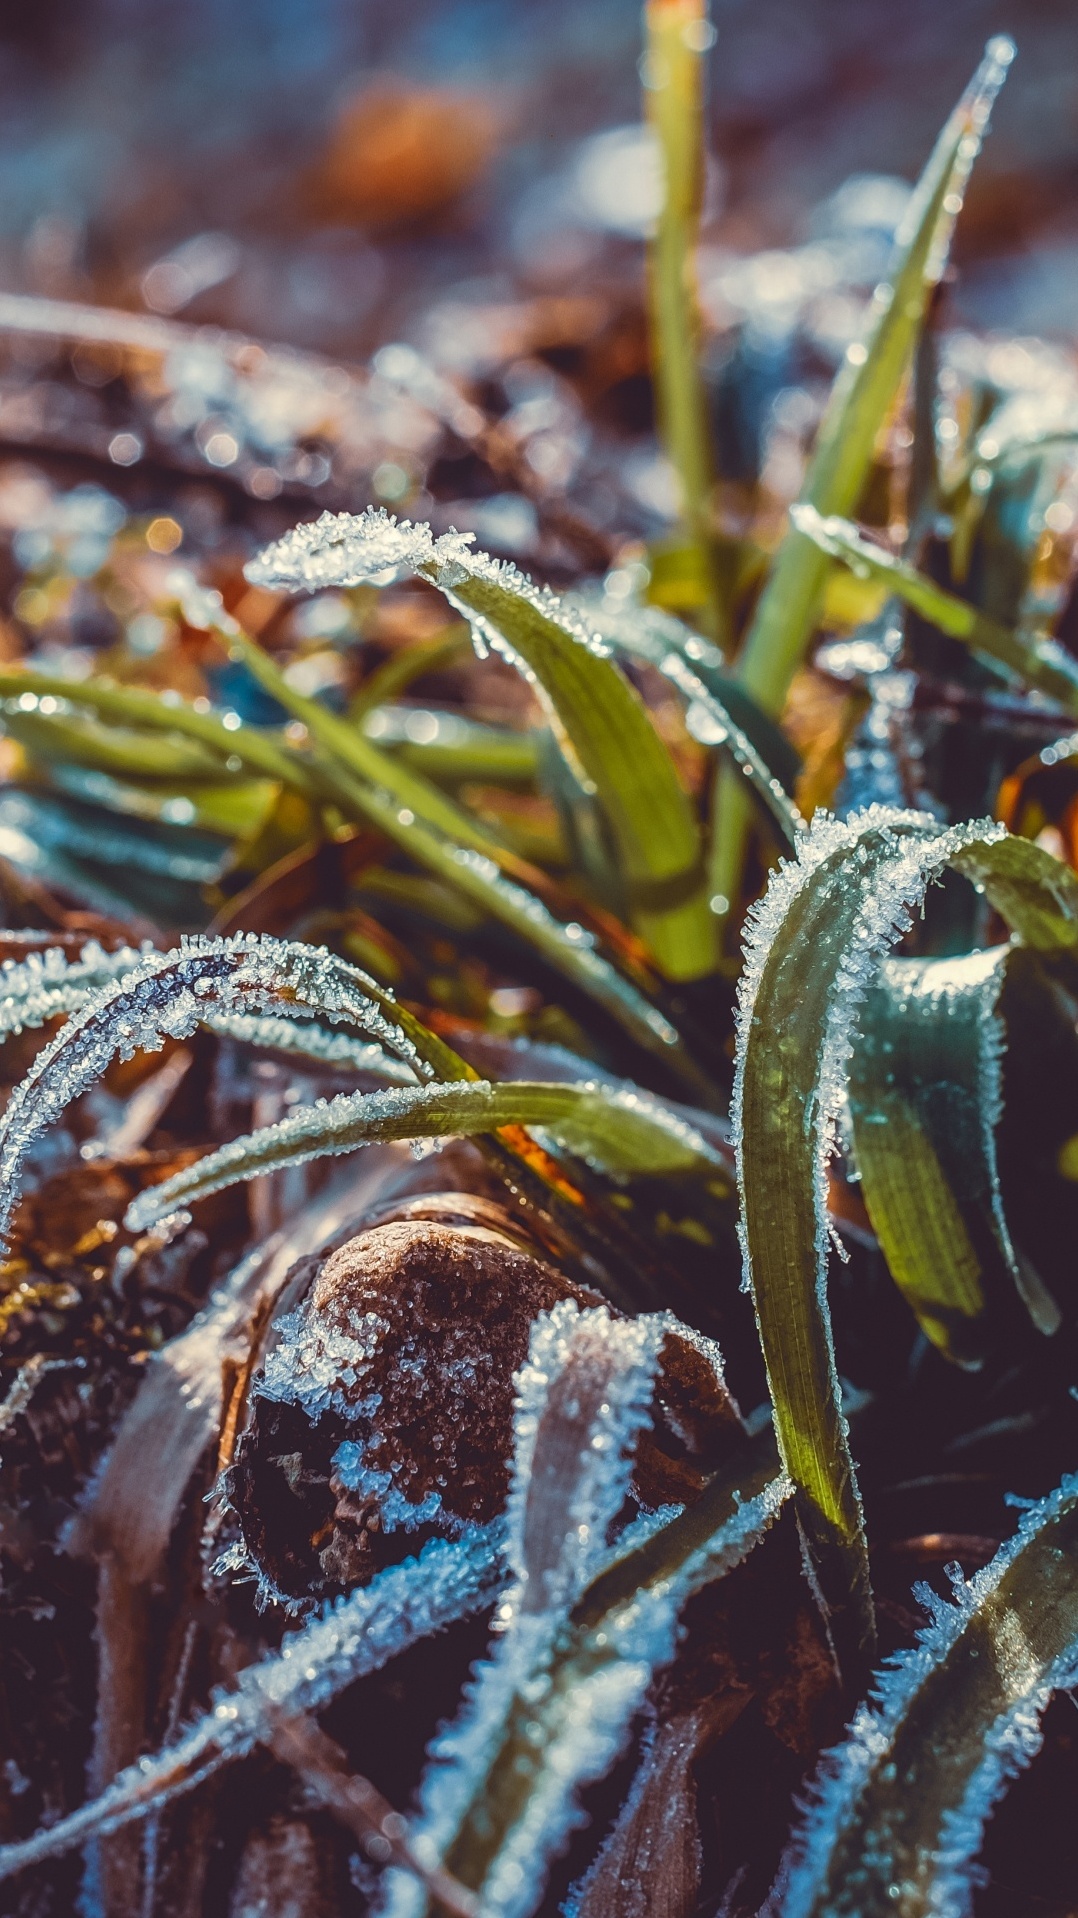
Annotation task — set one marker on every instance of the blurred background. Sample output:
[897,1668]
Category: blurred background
[336,173]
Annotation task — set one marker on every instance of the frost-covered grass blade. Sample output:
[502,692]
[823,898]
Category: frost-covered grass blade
[446,1581]
[597,715]
[1034,658]
[925,1097]
[551,1709]
[165,996]
[813,948]
[861,398]
[898,1811]
[615,1130]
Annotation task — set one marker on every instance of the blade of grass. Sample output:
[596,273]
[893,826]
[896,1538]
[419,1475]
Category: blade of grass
[896,1818]
[615,1131]
[925,1098]
[1034,658]
[678,34]
[861,398]
[157,713]
[596,714]
[813,948]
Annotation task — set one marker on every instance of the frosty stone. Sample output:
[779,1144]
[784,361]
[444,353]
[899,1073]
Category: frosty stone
[383,1411]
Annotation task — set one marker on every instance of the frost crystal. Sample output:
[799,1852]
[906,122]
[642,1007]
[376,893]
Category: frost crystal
[166,995]
[44,984]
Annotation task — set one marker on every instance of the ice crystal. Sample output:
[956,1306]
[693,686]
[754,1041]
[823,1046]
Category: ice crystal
[310,1041]
[1003,1746]
[47,983]
[357,1635]
[166,995]
[315,1365]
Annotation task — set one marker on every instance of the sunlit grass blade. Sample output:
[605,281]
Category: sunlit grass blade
[158,713]
[1034,658]
[596,713]
[731,718]
[925,1093]
[896,1817]
[235,809]
[862,396]
[814,947]
[451,749]
[614,1130]
[427,833]
[60,731]
[678,34]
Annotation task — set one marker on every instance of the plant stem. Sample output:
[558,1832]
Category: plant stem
[678,35]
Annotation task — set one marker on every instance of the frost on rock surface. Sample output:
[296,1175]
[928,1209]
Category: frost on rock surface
[361,1633]
[864,1832]
[165,996]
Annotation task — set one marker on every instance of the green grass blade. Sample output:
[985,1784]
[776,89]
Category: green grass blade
[447,747]
[860,400]
[814,947]
[157,714]
[898,1812]
[616,1131]
[678,35]
[925,1092]
[61,732]
[1036,659]
[598,717]
[738,725]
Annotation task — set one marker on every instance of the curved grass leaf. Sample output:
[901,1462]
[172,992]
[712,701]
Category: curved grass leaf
[426,832]
[235,809]
[813,947]
[166,995]
[925,1097]
[550,1710]
[614,1130]
[597,715]
[49,984]
[861,398]
[898,1811]
[160,713]
[733,720]
[58,731]
[360,1634]
[308,1040]
[1036,659]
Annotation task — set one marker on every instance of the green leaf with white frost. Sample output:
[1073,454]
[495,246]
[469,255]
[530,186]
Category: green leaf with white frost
[615,1130]
[598,717]
[166,995]
[1034,658]
[896,1817]
[814,946]
[925,1097]
[861,398]
[425,830]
